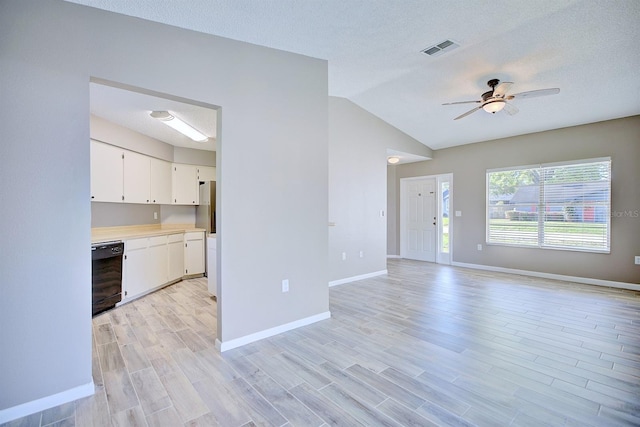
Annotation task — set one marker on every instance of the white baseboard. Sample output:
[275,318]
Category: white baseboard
[354,278]
[585,280]
[247,339]
[47,402]
[393,257]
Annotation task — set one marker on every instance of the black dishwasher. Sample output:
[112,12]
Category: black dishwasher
[106,275]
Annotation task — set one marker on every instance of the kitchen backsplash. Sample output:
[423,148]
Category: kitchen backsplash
[123,214]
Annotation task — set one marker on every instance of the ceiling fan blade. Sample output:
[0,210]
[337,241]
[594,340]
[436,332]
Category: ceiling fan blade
[510,109]
[468,112]
[462,102]
[502,89]
[535,93]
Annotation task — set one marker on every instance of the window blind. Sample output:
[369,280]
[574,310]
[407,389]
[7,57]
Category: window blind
[559,205]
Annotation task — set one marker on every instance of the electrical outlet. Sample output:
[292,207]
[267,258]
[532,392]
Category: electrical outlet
[637,260]
[344,256]
[155,215]
[458,213]
[361,254]
[285,285]
[381,213]
[479,247]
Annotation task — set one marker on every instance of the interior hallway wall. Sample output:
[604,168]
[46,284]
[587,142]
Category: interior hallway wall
[358,143]
[272,170]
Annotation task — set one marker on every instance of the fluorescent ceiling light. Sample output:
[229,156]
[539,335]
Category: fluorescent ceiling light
[177,124]
[393,160]
[493,106]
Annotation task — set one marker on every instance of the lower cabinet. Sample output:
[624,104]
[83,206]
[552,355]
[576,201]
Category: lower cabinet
[136,267]
[151,262]
[193,253]
[175,245]
[212,263]
[158,260]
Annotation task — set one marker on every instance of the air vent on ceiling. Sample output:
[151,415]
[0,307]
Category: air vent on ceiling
[440,48]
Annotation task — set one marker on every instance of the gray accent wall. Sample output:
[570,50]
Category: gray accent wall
[358,143]
[110,133]
[123,214]
[619,139]
[271,166]
[191,156]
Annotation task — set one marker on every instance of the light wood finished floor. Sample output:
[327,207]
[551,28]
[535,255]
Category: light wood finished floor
[425,345]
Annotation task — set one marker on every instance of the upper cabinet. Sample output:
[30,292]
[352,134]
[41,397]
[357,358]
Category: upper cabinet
[185,184]
[160,182]
[119,175]
[206,173]
[106,172]
[137,177]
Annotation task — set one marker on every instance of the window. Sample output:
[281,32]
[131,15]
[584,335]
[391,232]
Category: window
[559,205]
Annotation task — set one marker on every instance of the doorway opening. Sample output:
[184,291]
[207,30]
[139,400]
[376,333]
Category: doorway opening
[120,120]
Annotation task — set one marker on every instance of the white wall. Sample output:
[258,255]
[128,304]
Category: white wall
[272,170]
[358,143]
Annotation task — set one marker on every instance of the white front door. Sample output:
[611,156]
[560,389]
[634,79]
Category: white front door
[419,228]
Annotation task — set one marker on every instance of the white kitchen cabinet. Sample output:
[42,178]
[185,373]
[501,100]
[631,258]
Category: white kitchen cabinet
[106,172]
[158,261]
[160,185]
[136,278]
[137,174]
[145,265]
[212,265]
[151,262]
[185,188]
[206,173]
[175,247]
[194,252]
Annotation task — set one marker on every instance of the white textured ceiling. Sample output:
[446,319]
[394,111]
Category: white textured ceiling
[131,109]
[587,48]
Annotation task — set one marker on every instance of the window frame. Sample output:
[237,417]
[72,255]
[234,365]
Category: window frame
[541,206]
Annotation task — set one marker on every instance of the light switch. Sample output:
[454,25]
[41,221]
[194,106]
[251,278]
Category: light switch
[458,213]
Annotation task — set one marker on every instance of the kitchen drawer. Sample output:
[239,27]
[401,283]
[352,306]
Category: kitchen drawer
[157,241]
[194,235]
[133,244]
[172,238]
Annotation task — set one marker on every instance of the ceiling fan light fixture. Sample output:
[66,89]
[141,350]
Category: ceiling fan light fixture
[393,160]
[179,125]
[494,106]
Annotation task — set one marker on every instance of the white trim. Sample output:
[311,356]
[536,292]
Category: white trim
[585,280]
[47,402]
[360,277]
[389,256]
[442,257]
[248,339]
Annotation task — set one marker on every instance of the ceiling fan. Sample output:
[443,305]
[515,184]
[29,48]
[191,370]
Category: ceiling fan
[496,99]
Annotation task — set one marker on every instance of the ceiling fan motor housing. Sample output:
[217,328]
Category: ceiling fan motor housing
[487,95]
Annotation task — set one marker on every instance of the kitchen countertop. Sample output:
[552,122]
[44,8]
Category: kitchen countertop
[105,234]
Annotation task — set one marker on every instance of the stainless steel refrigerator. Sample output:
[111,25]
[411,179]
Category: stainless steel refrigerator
[206,211]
